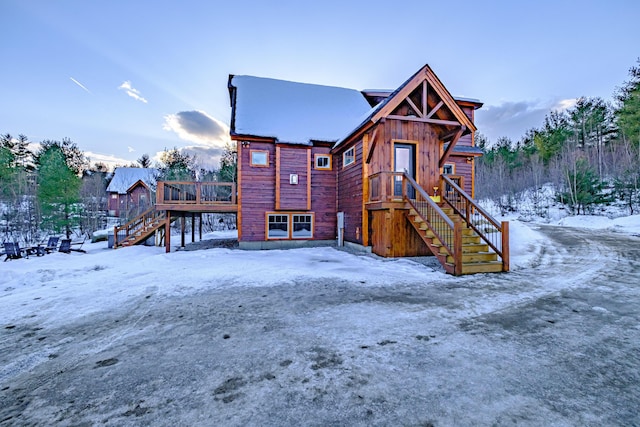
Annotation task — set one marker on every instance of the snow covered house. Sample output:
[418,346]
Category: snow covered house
[130,191]
[391,171]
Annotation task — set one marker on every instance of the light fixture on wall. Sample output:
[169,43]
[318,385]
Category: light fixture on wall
[246,143]
[469,159]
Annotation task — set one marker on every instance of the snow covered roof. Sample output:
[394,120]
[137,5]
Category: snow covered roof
[294,112]
[124,178]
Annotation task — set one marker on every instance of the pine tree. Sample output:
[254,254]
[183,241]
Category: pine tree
[176,166]
[58,191]
[229,164]
[583,188]
[628,111]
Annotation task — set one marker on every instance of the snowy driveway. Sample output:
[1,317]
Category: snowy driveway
[557,343]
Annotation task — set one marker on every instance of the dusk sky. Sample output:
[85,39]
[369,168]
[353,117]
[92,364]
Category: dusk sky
[124,78]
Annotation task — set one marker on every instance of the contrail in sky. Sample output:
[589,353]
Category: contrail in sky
[79,84]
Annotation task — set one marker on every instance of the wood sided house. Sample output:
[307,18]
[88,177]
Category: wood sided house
[392,171]
[130,191]
[388,171]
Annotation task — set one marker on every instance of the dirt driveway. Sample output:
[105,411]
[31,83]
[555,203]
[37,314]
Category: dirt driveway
[556,344]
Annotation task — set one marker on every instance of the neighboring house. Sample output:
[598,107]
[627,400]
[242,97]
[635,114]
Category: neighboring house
[319,162]
[130,191]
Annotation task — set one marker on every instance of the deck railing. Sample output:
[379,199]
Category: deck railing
[386,186]
[121,233]
[398,186]
[495,234]
[197,193]
[448,232]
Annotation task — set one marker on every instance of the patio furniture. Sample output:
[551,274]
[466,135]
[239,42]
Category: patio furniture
[52,245]
[13,251]
[65,246]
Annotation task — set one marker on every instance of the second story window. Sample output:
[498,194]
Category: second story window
[349,157]
[259,158]
[323,162]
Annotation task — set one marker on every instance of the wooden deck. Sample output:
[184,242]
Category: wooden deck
[196,197]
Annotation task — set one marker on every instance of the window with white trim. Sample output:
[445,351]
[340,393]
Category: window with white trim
[349,157]
[289,225]
[302,226]
[323,162]
[278,226]
[448,169]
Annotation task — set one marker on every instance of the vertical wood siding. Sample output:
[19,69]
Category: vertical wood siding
[427,149]
[258,191]
[350,193]
[392,236]
[323,198]
[293,160]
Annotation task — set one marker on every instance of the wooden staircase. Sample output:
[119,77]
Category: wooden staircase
[464,238]
[139,229]
[476,255]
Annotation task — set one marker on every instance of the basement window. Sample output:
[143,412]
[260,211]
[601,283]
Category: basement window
[278,226]
[289,225]
[302,226]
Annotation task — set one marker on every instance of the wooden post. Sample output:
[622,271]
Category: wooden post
[505,245]
[193,227]
[182,228]
[160,192]
[457,248]
[167,232]
[200,225]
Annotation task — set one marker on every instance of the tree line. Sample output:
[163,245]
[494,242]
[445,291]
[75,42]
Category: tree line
[54,190]
[589,154]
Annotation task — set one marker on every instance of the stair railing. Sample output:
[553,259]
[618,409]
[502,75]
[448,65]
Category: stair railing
[495,234]
[121,233]
[448,232]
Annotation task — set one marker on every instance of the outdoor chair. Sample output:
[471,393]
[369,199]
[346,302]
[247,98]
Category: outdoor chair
[52,245]
[65,246]
[13,251]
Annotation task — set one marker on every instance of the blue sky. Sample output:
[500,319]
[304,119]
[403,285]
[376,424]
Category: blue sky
[123,78]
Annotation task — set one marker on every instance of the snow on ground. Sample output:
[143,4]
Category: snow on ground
[65,286]
[62,287]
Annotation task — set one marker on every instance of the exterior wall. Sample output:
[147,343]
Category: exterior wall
[350,188]
[258,191]
[428,148]
[121,204]
[267,189]
[392,236]
[292,160]
[113,204]
[139,197]
[323,198]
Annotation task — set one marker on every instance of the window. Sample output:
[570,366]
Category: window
[448,169]
[114,196]
[301,226]
[349,157]
[278,227]
[323,162]
[259,158]
[289,225]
